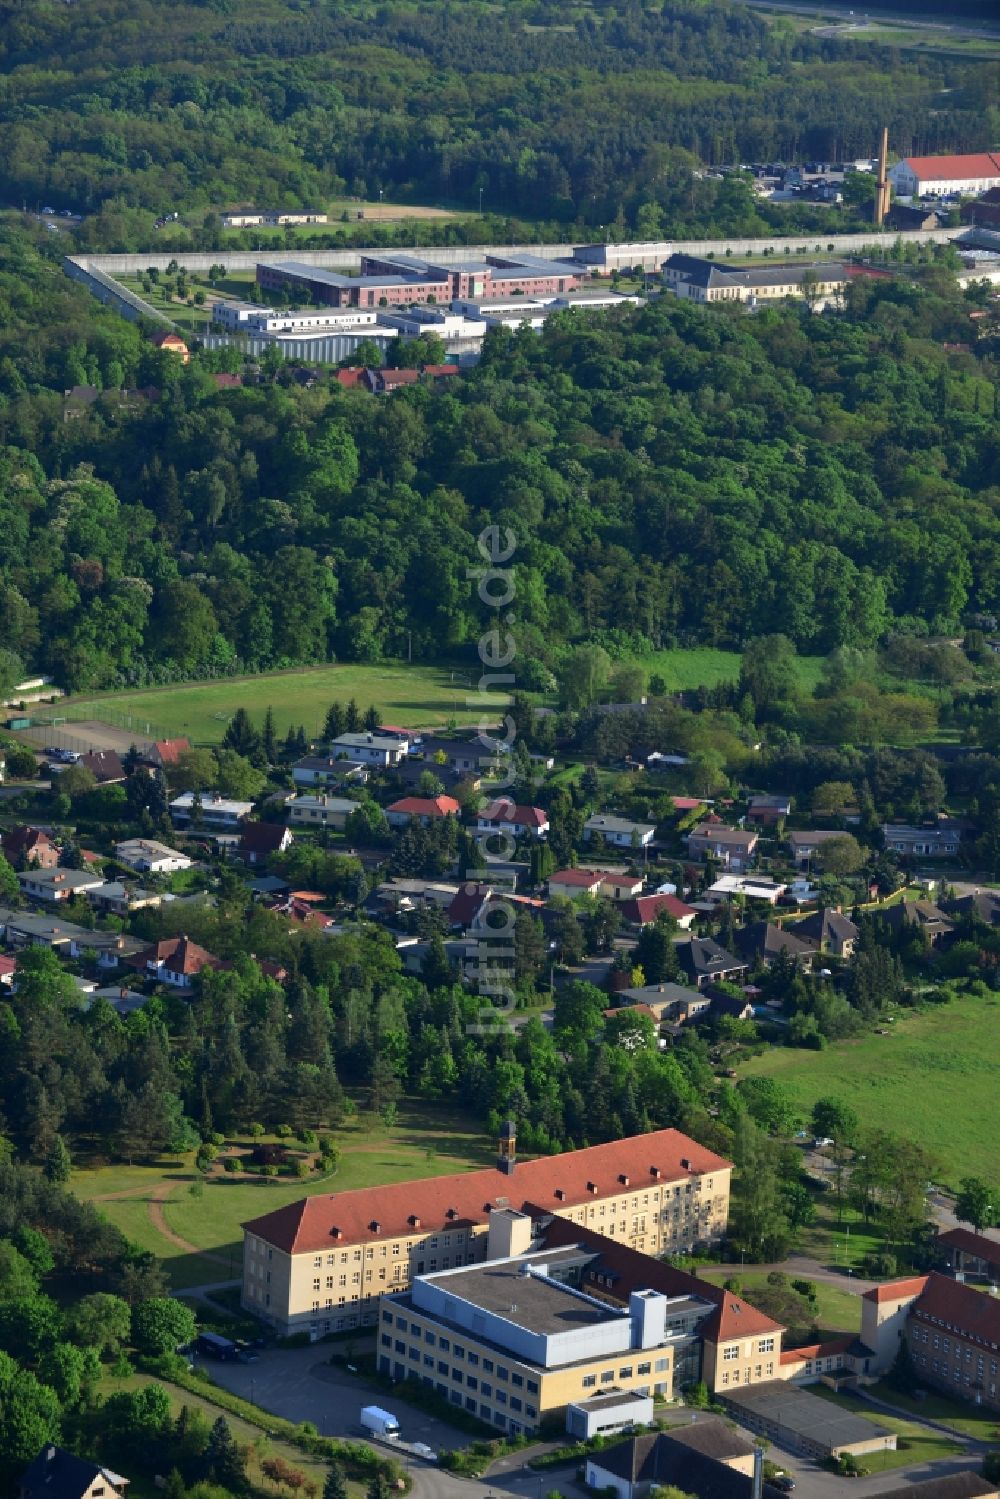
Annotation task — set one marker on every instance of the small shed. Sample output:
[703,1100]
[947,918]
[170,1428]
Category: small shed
[614,1411]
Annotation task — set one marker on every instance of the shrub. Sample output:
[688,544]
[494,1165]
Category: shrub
[284,1131]
[231,1163]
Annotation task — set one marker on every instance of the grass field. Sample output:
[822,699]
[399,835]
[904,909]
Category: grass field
[926,1081]
[919,1443]
[838,1311]
[423,695]
[684,670]
[425,1142]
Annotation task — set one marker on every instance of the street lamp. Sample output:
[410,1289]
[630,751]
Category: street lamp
[480,202]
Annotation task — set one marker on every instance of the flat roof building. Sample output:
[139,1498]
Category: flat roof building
[806,1423]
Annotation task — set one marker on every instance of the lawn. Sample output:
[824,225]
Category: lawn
[684,670]
[424,1142]
[421,695]
[925,1081]
[916,1444]
[839,1312]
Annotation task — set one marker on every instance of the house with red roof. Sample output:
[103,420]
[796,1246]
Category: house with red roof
[506,816]
[421,809]
[574,882]
[645,909]
[164,752]
[942,176]
[30,848]
[681,1188]
[176,961]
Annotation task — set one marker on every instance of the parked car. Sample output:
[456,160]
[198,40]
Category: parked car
[785,1482]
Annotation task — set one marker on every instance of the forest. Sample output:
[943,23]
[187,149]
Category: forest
[598,116]
[671,478]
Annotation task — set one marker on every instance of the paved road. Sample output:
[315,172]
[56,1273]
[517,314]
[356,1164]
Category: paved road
[802,1266]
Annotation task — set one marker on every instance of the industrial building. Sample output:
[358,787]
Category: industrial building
[944,176]
[399,280]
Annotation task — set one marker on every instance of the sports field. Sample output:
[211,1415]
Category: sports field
[418,695]
[927,1081]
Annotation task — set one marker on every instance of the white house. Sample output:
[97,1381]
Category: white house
[371,749]
[942,176]
[505,816]
[58,884]
[146,856]
[216,811]
[617,830]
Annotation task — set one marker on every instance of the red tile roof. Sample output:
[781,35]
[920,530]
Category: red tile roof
[397,377]
[731,1318]
[896,1290]
[646,908]
[310,1224]
[504,810]
[225,381]
[972,1314]
[437,370]
[179,955]
[351,377]
[817,1350]
[686,803]
[427,806]
[170,750]
[586,879]
[7,965]
[936,168]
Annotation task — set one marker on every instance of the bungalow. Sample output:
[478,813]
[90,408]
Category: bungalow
[620,831]
[370,749]
[752,887]
[767,810]
[805,846]
[705,962]
[123,1001]
[940,841]
[620,886]
[982,905]
[827,931]
[574,882]
[58,884]
[735,1006]
[463,756]
[645,909]
[670,1002]
[258,840]
[146,856]
[119,899]
[505,816]
[175,961]
[164,752]
[734,848]
[762,943]
[326,770]
[216,811]
[421,809]
[30,847]
[321,811]
[29,929]
[58,1474]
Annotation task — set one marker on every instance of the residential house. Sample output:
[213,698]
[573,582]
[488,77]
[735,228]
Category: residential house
[970,1253]
[620,887]
[983,905]
[58,1474]
[30,847]
[705,962]
[446,1221]
[172,343]
[123,1001]
[761,943]
[105,765]
[666,1002]
[164,752]
[940,840]
[735,1006]
[322,770]
[321,811]
[709,1458]
[146,856]
[805,846]
[55,885]
[752,887]
[175,961]
[259,840]
[733,848]
[421,809]
[465,757]
[573,882]
[619,831]
[382,382]
[924,914]
[119,898]
[370,749]
[217,812]
[35,929]
[768,810]
[506,816]
[827,931]
[645,909]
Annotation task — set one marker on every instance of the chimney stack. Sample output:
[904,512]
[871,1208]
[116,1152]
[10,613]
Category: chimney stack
[882,184]
[507,1148]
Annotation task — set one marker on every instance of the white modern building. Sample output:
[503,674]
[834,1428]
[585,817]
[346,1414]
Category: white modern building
[620,831]
[370,749]
[216,811]
[146,856]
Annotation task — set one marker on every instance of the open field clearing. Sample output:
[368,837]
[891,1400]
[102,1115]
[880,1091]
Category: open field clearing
[925,1081]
